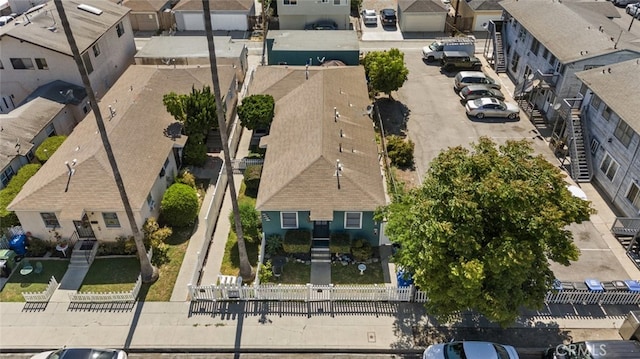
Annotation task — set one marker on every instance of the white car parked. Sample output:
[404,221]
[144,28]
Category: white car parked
[470,350]
[369,17]
[633,9]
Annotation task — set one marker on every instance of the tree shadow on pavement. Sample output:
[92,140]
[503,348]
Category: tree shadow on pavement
[394,116]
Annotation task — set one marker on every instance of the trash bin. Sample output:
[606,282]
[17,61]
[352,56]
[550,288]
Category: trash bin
[404,279]
[630,328]
[9,257]
[19,244]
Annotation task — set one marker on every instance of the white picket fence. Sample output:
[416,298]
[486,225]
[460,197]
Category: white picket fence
[307,293]
[44,296]
[105,297]
[590,297]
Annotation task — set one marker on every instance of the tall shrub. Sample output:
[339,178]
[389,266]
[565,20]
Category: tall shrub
[297,241]
[7,194]
[179,206]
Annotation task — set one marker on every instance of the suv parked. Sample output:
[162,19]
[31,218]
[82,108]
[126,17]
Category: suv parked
[388,17]
[459,60]
[466,78]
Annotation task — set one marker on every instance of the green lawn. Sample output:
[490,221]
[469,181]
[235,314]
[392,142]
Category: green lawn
[32,282]
[161,290]
[294,273]
[350,274]
[111,275]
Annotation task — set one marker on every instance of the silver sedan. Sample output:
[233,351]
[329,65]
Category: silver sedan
[491,107]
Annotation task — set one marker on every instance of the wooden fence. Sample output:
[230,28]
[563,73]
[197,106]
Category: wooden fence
[106,297]
[44,296]
[380,293]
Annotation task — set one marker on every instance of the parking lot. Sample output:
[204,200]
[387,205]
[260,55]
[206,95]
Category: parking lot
[432,115]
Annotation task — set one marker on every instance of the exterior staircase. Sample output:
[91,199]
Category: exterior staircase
[83,254]
[580,159]
[535,116]
[500,62]
[320,251]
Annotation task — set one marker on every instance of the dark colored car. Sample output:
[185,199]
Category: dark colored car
[388,17]
[458,60]
[473,92]
[322,25]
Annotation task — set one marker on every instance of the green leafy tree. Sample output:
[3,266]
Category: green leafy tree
[179,206]
[385,70]
[48,147]
[197,113]
[256,111]
[7,194]
[355,6]
[400,151]
[250,219]
[481,229]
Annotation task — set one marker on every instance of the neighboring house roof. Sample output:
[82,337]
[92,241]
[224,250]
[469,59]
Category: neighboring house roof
[189,46]
[409,6]
[45,27]
[563,31]
[484,5]
[20,126]
[615,87]
[299,172]
[314,40]
[214,5]
[137,137]
[144,5]
[60,92]
[605,8]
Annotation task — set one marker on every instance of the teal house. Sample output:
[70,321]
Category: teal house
[313,47]
[321,170]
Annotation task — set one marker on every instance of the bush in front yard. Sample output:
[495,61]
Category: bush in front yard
[400,151]
[273,245]
[361,250]
[252,176]
[38,247]
[179,206]
[340,243]
[297,241]
[48,147]
[250,219]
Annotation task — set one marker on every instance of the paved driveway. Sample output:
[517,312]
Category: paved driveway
[436,120]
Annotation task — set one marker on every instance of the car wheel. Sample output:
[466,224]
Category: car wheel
[430,59]
[448,68]
[512,116]
[480,115]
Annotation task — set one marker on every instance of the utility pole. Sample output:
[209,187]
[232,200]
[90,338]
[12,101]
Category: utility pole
[149,273]
[265,24]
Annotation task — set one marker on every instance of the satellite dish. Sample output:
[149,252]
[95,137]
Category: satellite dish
[557,106]
[369,109]
[530,77]
[485,25]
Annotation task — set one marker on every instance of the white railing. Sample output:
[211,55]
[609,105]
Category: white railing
[592,297]
[44,296]
[105,297]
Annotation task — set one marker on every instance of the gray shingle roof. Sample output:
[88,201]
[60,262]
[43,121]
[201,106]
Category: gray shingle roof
[136,134]
[22,125]
[58,91]
[86,27]
[421,6]
[304,142]
[486,5]
[617,88]
[562,30]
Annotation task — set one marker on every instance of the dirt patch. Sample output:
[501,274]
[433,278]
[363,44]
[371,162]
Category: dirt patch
[408,178]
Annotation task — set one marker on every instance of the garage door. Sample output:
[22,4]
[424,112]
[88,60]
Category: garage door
[228,22]
[423,22]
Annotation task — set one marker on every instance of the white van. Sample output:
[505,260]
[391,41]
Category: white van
[438,47]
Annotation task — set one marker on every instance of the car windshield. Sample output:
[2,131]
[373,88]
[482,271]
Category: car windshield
[83,354]
[434,46]
[454,351]
[502,352]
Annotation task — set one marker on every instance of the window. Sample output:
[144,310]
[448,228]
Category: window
[42,64]
[30,155]
[514,61]
[289,219]
[111,219]
[150,201]
[535,46]
[96,50]
[120,29]
[50,220]
[50,130]
[595,102]
[609,167]
[552,60]
[353,220]
[21,63]
[87,63]
[6,175]
[624,133]
[291,2]
[560,67]
[606,112]
[545,53]
[522,33]
[595,144]
[634,196]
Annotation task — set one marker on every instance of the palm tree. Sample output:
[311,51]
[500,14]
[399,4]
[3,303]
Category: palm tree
[245,267]
[148,271]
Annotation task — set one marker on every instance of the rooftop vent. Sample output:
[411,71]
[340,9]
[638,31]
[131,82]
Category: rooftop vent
[91,9]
